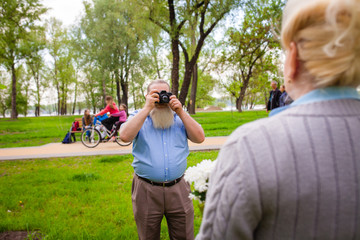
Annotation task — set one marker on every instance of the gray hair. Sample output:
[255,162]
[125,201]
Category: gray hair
[274,82]
[158,81]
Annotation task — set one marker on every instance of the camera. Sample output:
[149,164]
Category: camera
[164,96]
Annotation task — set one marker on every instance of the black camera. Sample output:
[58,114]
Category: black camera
[164,96]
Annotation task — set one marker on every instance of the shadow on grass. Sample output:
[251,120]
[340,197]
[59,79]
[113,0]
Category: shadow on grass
[114,159]
[84,177]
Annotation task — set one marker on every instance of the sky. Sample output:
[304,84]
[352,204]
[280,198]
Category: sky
[68,11]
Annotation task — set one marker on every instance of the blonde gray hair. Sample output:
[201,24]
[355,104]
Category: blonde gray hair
[327,34]
[158,81]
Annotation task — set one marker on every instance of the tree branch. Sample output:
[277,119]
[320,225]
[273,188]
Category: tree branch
[159,24]
[186,55]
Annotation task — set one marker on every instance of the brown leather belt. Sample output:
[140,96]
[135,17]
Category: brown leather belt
[163,184]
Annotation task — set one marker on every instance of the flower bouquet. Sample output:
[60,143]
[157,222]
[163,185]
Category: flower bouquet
[198,177]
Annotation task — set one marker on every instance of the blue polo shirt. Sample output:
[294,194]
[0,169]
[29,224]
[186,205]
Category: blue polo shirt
[321,94]
[160,154]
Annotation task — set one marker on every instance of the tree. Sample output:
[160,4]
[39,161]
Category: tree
[173,17]
[62,67]
[17,21]
[35,65]
[115,31]
[55,45]
[251,47]
[4,92]
[90,86]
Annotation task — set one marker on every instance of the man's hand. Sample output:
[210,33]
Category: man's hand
[151,98]
[175,104]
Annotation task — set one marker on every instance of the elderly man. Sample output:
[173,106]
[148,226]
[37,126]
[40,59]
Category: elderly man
[159,133]
[274,99]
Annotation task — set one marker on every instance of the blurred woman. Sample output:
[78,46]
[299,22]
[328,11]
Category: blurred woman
[112,109]
[86,120]
[296,175]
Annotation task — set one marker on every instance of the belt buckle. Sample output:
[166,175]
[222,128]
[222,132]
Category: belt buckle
[163,184]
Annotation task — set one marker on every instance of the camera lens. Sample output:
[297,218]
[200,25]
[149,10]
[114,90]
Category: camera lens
[165,99]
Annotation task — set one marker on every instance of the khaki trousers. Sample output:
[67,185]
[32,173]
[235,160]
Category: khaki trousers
[152,203]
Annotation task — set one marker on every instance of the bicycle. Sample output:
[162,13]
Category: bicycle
[93,135]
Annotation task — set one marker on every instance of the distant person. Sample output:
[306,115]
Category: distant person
[296,174]
[111,108]
[86,121]
[122,118]
[274,98]
[285,99]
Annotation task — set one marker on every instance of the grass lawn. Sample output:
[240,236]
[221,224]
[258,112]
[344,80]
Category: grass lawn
[33,131]
[74,198]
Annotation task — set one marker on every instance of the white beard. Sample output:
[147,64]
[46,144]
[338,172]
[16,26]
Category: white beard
[162,118]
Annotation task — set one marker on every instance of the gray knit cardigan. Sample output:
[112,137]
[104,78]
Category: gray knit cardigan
[292,176]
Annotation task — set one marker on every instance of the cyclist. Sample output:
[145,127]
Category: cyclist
[112,109]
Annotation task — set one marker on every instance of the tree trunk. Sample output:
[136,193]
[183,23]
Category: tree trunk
[117,79]
[242,93]
[238,104]
[175,67]
[74,106]
[174,35]
[14,113]
[189,66]
[186,83]
[37,110]
[192,106]
[104,90]
[125,90]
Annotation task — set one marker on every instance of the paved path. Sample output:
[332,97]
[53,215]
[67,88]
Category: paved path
[78,149]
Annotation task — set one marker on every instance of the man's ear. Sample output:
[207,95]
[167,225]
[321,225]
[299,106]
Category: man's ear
[293,63]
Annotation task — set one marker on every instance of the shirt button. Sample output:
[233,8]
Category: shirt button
[166,168]
[165,155]
[164,143]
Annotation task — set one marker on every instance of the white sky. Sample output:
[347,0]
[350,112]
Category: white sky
[68,11]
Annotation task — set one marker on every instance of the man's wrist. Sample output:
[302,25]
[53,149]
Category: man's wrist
[180,112]
[147,109]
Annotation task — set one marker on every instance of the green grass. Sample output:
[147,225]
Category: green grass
[74,198]
[31,131]
[224,123]
[38,131]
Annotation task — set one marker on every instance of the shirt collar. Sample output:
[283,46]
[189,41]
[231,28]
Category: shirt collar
[322,94]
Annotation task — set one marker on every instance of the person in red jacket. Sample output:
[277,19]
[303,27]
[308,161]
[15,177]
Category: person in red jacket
[112,109]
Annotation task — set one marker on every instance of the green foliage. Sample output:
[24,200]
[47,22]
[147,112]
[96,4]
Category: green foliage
[18,25]
[206,84]
[62,69]
[251,50]
[18,22]
[59,207]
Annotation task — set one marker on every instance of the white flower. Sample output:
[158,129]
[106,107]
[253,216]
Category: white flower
[8,211]
[193,197]
[198,176]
